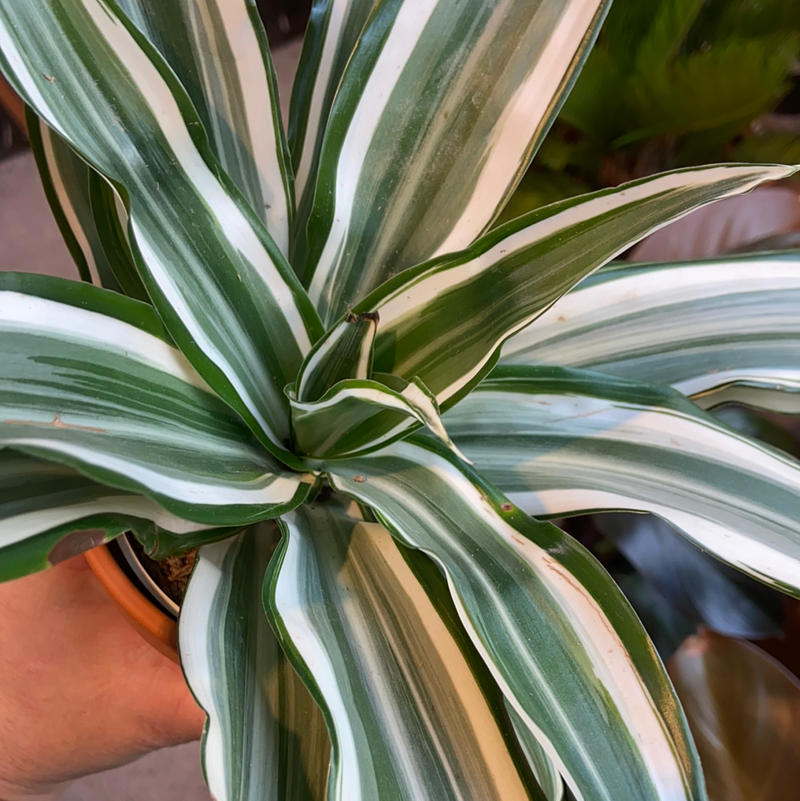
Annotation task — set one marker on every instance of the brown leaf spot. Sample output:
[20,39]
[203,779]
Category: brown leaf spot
[506,507]
[49,78]
[359,479]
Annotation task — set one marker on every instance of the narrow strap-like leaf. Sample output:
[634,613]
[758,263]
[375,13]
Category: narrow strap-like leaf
[543,768]
[91,389]
[346,353]
[719,330]
[218,280]
[50,512]
[444,321]
[408,715]
[331,35]
[356,417]
[219,50]
[265,738]
[402,181]
[65,178]
[554,629]
[560,441]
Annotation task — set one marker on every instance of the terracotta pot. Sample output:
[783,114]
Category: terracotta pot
[158,628]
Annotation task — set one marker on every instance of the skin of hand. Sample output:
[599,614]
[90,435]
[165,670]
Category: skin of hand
[80,690]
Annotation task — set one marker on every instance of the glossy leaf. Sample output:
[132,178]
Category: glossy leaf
[408,715]
[50,512]
[216,277]
[744,711]
[265,738]
[718,330]
[219,51]
[445,320]
[560,442]
[400,180]
[91,381]
[551,625]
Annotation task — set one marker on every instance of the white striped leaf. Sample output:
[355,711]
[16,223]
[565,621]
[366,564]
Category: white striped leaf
[65,179]
[558,635]
[50,512]
[90,381]
[560,441]
[356,417]
[331,35]
[408,704]
[542,766]
[345,353]
[400,180]
[219,51]
[721,330]
[220,284]
[444,321]
[111,219]
[265,738]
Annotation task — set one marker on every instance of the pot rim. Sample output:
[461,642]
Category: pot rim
[152,622]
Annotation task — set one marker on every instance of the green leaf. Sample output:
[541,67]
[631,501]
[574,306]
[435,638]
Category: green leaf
[65,178]
[331,35]
[702,588]
[50,512]
[560,441]
[345,353]
[265,738]
[543,768]
[400,182]
[700,326]
[217,279]
[357,417]
[219,51]
[744,711]
[445,320]
[405,701]
[82,383]
[554,629]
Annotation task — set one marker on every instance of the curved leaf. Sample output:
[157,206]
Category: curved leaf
[356,417]
[219,51]
[445,320]
[83,384]
[744,710]
[265,738]
[50,512]
[559,637]
[560,441]
[700,326]
[216,277]
[400,182]
[408,714]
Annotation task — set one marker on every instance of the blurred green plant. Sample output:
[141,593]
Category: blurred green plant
[672,83]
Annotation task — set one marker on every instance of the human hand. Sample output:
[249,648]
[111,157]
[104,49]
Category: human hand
[80,690]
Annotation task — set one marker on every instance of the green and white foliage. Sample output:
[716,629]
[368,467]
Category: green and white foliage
[373,615]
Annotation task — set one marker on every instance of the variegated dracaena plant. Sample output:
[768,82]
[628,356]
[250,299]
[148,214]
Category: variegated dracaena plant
[308,331]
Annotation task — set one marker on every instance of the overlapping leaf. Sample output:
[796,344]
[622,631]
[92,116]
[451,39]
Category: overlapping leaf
[721,330]
[50,512]
[557,634]
[265,738]
[445,320]
[411,713]
[560,441]
[219,51]
[89,380]
[216,277]
[400,180]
